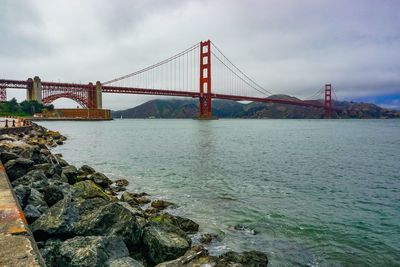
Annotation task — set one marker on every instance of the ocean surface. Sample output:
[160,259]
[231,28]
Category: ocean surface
[307,192]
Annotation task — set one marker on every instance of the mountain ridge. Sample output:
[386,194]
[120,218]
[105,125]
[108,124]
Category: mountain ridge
[188,108]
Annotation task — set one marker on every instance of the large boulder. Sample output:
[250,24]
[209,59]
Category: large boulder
[164,242]
[22,192]
[184,224]
[36,199]
[135,199]
[95,216]
[100,179]
[91,251]
[51,251]
[31,213]
[57,221]
[196,256]
[49,169]
[30,178]
[88,189]
[56,191]
[16,168]
[247,258]
[86,170]
[5,156]
[161,204]
[124,262]
[112,219]
[70,173]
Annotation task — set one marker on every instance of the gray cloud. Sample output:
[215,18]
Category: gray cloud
[291,47]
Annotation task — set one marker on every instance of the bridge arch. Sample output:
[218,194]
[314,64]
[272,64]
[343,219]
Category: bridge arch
[82,101]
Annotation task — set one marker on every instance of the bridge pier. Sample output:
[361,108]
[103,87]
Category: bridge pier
[34,92]
[99,98]
[205,81]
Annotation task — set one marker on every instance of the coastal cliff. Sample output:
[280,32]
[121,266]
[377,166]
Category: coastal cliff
[79,217]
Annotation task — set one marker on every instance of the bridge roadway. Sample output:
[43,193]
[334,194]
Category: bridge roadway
[58,86]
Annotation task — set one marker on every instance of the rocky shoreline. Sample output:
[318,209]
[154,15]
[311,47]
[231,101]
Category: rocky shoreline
[79,217]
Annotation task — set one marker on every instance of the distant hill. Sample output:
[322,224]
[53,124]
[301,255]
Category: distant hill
[188,108]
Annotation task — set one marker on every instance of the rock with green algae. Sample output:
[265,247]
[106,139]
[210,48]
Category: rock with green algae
[91,251]
[184,224]
[124,262]
[88,189]
[100,179]
[164,242]
[94,216]
[198,256]
[70,173]
[16,168]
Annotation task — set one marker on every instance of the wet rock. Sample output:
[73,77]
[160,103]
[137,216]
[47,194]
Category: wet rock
[91,251]
[31,213]
[22,192]
[115,188]
[162,204]
[207,238]
[124,262]
[88,189]
[6,156]
[243,228]
[62,162]
[86,170]
[134,199]
[184,224]
[164,242]
[70,172]
[247,258]
[17,167]
[100,179]
[121,182]
[196,256]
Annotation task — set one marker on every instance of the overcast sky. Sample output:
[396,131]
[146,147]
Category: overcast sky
[288,46]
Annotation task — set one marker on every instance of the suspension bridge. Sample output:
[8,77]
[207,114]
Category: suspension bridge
[202,71]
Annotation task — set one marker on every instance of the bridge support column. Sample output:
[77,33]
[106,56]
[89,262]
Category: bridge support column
[328,101]
[3,94]
[99,99]
[205,81]
[34,92]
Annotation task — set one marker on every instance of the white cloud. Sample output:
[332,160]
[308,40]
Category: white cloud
[291,47]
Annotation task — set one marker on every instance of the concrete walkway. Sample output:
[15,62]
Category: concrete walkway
[17,246]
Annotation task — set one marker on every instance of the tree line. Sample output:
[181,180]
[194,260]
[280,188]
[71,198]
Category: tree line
[25,108]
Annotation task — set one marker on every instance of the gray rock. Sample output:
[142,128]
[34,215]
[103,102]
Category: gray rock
[86,170]
[55,192]
[49,169]
[161,204]
[100,179]
[184,224]
[51,251]
[124,262]
[247,259]
[30,178]
[164,242]
[17,167]
[5,156]
[88,189]
[88,251]
[70,172]
[112,219]
[36,199]
[22,192]
[31,213]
